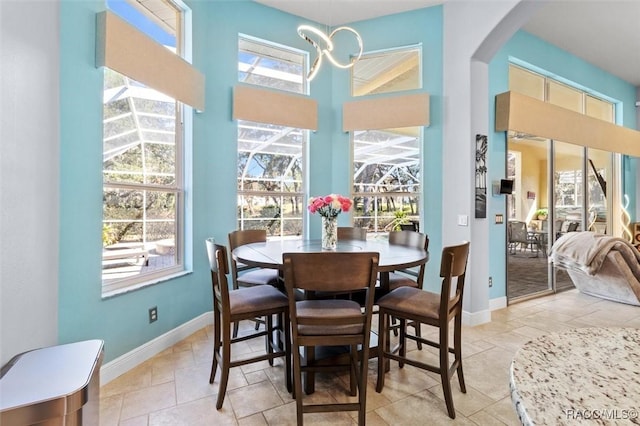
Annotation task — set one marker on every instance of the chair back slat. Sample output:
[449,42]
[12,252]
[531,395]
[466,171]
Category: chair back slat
[219,264]
[330,271]
[352,233]
[246,236]
[411,239]
[453,268]
[408,239]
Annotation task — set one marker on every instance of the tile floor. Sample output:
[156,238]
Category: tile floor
[173,389]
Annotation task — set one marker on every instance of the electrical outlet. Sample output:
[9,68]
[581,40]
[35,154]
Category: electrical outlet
[153,314]
[490,281]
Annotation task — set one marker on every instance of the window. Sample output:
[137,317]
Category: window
[270,156]
[386,178]
[546,89]
[387,71]
[387,162]
[143,190]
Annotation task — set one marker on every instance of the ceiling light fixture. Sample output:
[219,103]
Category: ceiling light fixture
[304,30]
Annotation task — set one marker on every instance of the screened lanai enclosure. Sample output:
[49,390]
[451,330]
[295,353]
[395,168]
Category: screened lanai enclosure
[142,191]
[386,178]
[386,163]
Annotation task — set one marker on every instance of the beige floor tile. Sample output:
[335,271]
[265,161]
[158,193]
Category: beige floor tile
[483,418]
[135,379]
[110,407]
[148,400]
[504,411]
[466,403]
[257,419]
[193,383]
[201,412]
[136,421]
[172,388]
[254,398]
[511,341]
[399,383]
[285,415]
[609,316]
[420,409]
[488,372]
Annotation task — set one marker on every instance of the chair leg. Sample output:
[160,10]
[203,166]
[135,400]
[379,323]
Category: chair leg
[224,366]
[457,348]
[297,382]
[393,323]
[216,345]
[309,376]
[362,388]
[287,349]
[353,374]
[383,338]
[444,371]
[269,337]
[402,351]
[235,329]
[418,329]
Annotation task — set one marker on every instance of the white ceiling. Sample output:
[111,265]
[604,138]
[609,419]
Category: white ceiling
[605,33]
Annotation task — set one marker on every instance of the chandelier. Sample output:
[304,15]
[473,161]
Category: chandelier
[327,40]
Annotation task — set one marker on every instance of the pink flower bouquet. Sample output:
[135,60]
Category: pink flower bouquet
[330,205]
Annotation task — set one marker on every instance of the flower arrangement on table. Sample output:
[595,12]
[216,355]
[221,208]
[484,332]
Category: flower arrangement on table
[329,207]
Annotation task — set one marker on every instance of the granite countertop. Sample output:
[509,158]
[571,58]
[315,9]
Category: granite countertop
[580,375]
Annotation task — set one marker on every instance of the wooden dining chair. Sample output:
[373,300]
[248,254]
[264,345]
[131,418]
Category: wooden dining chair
[245,275]
[333,322]
[414,304]
[407,277]
[248,276]
[352,233]
[230,307]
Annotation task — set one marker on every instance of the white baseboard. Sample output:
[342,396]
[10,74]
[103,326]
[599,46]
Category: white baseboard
[132,359]
[476,318]
[497,303]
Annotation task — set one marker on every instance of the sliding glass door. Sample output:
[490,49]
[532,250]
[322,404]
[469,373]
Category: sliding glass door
[528,227]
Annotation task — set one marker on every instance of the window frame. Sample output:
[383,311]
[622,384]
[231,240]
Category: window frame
[417,195]
[280,194]
[182,148]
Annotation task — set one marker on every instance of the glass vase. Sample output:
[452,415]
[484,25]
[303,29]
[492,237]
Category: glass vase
[329,233]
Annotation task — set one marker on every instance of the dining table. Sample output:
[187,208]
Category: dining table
[392,257]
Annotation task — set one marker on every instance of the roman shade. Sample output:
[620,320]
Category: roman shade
[386,112]
[122,48]
[268,106]
[521,113]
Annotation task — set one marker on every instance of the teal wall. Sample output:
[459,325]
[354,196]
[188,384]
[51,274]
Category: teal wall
[528,49]
[122,320]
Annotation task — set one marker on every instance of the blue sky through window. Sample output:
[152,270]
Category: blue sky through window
[130,14]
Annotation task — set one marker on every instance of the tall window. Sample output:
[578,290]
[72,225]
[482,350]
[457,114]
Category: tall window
[387,162]
[143,190]
[270,156]
[386,178]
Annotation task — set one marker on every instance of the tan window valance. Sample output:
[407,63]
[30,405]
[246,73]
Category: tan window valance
[268,106]
[521,113]
[386,112]
[124,49]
